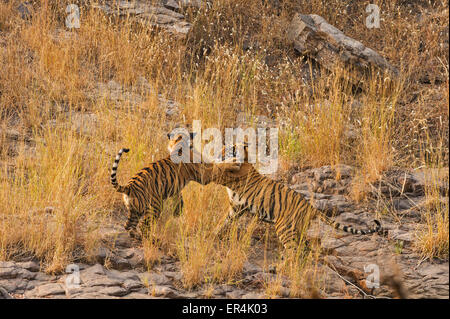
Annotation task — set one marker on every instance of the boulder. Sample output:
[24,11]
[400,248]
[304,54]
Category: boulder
[4,294]
[162,16]
[312,36]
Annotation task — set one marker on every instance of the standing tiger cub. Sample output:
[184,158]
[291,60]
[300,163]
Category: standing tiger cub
[146,191]
[273,202]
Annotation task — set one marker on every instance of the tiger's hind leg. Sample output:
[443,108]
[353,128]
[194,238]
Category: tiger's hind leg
[146,225]
[148,220]
[178,206]
[131,223]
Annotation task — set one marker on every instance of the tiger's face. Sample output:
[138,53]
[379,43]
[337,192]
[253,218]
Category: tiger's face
[233,168]
[181,147]
[226,169]
[182,141]
[175,141]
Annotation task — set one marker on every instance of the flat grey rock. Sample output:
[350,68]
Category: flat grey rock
[154,279]
[46,290]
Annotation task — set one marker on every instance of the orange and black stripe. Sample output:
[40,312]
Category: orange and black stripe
[276,203]
[147,189]
[114,183]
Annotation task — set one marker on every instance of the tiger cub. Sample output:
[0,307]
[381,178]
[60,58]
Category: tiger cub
[271,201]
[145,192]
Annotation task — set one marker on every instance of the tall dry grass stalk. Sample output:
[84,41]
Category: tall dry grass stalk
[301,267]
[432,237]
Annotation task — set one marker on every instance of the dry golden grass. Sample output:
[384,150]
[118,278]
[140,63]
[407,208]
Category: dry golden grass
[432,237]
[191,238]
[54,186]
[300,266]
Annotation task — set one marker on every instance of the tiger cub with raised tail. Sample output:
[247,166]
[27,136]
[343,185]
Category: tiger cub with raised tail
[145,192]
[271,201]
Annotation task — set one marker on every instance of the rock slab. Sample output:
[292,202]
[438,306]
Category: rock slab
[331,48]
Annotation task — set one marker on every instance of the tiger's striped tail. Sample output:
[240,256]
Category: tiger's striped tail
[350,229]
[117,187]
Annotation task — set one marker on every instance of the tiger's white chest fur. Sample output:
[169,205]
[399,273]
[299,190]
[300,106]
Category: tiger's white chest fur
[234,198]
[240,203]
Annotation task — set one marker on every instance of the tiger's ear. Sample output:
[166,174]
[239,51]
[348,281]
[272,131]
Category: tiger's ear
[174,136]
